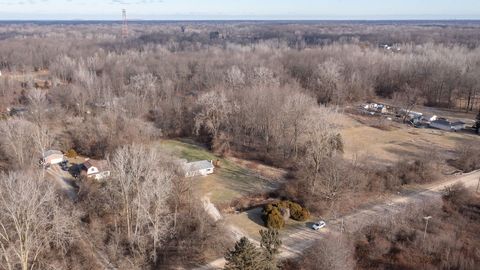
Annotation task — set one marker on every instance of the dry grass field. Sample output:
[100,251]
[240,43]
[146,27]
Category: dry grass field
[398,141]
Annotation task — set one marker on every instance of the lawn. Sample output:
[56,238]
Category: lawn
[230,180]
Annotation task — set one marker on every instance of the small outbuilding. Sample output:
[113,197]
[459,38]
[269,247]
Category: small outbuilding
[198,168]
[51,157]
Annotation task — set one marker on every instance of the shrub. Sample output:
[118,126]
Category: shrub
[468,156]
[275,219]
[272,213]
[71,153]
[297,212]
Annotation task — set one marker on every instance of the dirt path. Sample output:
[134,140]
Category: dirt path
[62,179]
[297,239]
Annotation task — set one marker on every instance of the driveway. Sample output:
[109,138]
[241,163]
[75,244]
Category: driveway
[63,179]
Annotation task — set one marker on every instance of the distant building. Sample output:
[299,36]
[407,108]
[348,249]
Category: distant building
[377,108]
[51,157]
[447,125]
[198,168]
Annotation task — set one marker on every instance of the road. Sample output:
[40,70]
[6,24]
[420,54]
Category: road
[297,239]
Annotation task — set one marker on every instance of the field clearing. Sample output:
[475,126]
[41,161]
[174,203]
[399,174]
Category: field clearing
[399,142]
[232,179]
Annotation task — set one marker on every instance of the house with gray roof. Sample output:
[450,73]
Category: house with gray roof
[198,168]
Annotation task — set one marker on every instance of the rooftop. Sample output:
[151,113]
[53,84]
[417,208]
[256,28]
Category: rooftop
[198,165]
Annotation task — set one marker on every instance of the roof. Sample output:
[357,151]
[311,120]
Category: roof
[441,122]
[99,164]
[52,152]
[198,165]
[458,123]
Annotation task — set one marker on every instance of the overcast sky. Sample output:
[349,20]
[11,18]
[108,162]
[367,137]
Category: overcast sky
[239,9]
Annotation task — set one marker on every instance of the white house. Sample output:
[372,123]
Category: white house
[198,168]
[95,169]
[51,157]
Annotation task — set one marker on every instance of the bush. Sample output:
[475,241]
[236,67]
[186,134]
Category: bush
[71,153]
[272,213]
[297,212]
[468,156]
[275,220]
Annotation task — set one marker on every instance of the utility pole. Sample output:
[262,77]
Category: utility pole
[426,225]
[124,24]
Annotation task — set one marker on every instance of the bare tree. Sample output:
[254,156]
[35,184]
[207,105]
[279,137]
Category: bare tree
[321,141]
[333,252]
[142,179]
[214,112]
[31,221]
[16,141]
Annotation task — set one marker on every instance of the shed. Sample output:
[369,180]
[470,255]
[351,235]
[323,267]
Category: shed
[198,168]
[51,157]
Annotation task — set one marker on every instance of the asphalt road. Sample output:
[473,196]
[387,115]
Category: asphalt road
[301,237]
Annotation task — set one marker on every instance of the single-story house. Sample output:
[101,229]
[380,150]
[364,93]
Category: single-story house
[198,168]
[51,157]
[447,125]
[95,169]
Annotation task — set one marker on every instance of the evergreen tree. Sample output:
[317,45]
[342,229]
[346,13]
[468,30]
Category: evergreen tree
[244,256]
[270,244]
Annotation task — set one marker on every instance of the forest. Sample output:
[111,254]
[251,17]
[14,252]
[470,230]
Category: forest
[271,92]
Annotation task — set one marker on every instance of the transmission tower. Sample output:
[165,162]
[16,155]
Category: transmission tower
[125,25]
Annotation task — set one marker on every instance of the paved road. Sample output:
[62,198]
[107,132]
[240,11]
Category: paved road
[301,237]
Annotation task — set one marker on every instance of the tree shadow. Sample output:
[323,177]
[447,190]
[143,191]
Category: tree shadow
[255,215]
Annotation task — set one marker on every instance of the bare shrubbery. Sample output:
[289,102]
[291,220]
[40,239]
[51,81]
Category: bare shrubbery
[468,156]
[98,136]
[450,242]
[332,252]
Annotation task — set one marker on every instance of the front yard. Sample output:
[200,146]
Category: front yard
[232,178]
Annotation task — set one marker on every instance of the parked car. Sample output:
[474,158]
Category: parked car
[318,225]
[64,165]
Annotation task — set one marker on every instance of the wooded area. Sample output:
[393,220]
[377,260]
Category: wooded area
[268,92]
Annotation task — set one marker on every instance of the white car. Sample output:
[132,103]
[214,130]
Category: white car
[318,225]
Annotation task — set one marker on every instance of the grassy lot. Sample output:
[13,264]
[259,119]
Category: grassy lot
[402,141]
[230,180]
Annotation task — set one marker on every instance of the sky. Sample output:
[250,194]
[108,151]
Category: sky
[239,9]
